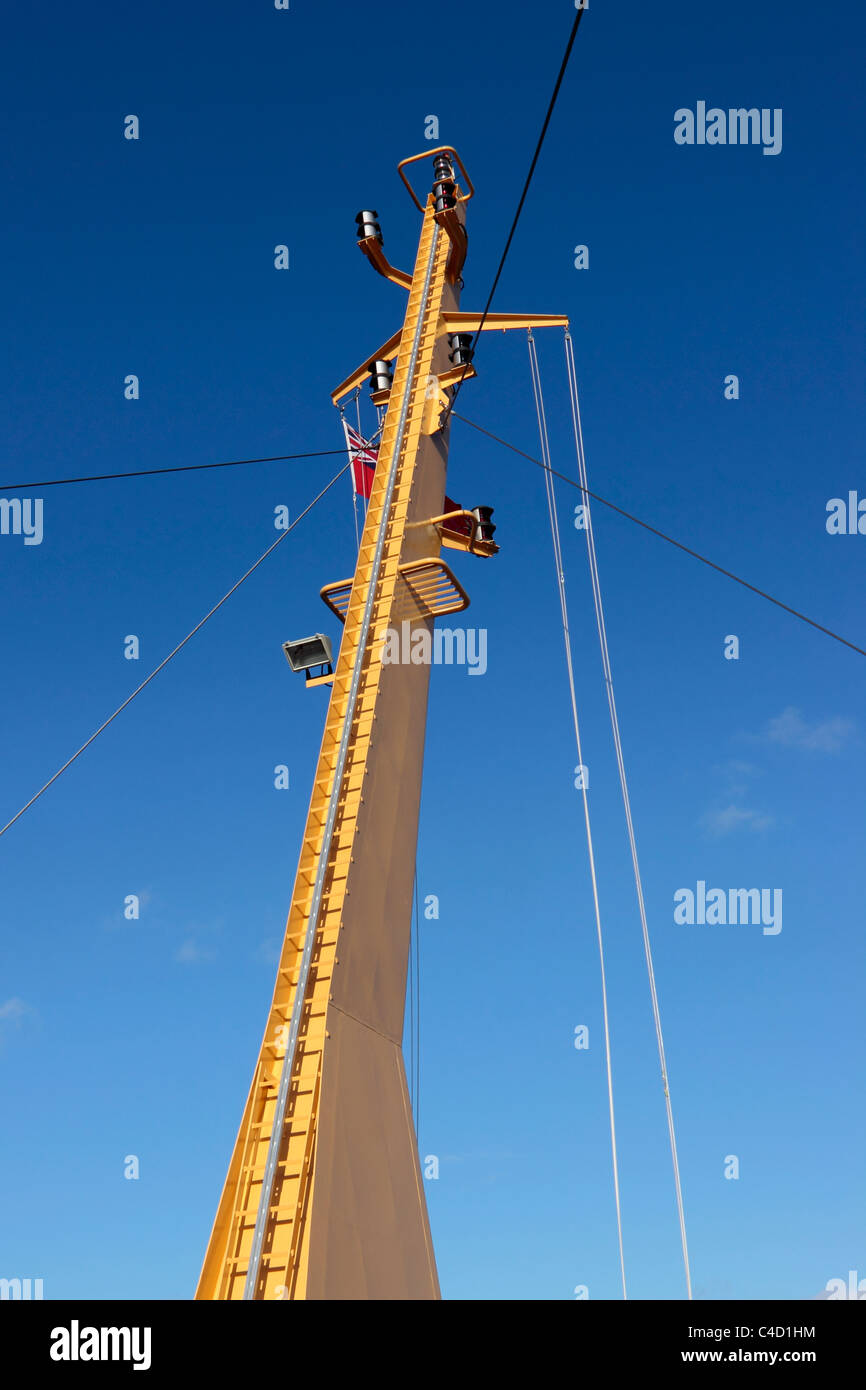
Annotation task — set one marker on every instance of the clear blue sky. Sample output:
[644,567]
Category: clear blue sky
[155,257]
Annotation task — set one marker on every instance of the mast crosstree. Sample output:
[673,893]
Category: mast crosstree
[324,1196]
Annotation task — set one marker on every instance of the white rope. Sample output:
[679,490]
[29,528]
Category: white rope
[354,489]
[355,514]
[364,499]
[342,410]
[410,997]
[560,579]
[608,678]
[416,1094]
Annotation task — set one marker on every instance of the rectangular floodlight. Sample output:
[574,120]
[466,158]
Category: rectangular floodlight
[308,652]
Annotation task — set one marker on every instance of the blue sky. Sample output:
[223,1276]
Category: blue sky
[155,257]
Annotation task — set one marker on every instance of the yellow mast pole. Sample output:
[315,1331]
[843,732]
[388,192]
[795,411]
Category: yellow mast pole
[336,1188]
[324,1196]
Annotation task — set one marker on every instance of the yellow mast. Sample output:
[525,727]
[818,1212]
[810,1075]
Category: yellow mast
[324,1196]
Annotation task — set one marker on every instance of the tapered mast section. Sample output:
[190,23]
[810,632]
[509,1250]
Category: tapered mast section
[324,1196]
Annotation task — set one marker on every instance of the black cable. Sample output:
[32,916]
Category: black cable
[562,68]
[670,540]
[149,472]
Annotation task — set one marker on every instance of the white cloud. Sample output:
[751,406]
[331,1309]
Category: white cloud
[736,767]
[13,1008]
[734,777]
[722,822]
[192,954]
[793,731]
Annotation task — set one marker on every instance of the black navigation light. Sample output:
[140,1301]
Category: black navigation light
[485,526]
[462,351]
[368,225]
[381,377]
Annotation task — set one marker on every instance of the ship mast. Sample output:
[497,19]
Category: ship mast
[324,1196]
